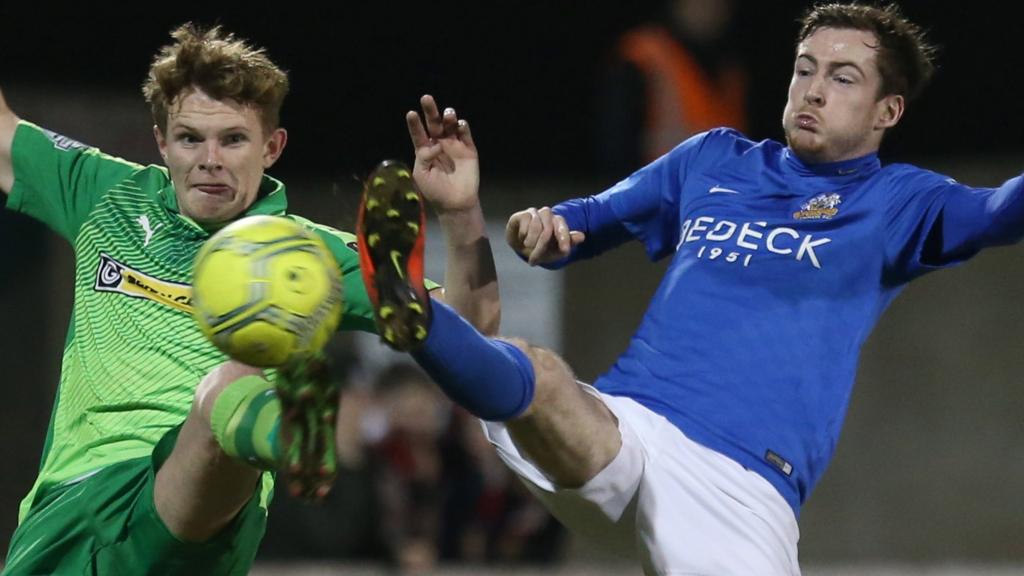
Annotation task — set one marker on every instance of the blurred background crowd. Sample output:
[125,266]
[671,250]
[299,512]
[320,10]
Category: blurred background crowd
[419,484]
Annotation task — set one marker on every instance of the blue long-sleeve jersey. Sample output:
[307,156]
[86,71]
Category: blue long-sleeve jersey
[780,270]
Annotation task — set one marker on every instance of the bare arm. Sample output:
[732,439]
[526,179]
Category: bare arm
[471,281]
[447,171]
[8,124]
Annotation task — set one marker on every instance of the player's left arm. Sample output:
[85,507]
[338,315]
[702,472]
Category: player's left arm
[971,219]
[644,206]
[447,171]
[933,221]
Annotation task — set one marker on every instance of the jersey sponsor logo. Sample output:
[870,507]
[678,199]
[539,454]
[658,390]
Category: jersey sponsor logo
[720,190]
[749,238]
[114,276]
[63,142]
[822,207]
[146,229]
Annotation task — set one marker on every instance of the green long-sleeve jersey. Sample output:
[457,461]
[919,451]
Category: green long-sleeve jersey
[133,354]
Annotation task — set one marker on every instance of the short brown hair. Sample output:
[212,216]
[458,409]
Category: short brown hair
[221,66]
[905,57]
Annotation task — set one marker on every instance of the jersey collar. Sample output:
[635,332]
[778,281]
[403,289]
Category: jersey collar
[270,200]
[861,166]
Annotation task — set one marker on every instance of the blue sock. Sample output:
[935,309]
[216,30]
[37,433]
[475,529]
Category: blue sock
[490,378]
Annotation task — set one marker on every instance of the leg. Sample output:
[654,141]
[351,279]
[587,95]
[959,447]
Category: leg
[568,433]
[571,432]
[108,524]
[232,435]
[199,489]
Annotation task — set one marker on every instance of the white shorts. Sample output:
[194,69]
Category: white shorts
[683,509]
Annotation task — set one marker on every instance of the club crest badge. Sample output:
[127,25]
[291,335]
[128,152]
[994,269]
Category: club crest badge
[822,207]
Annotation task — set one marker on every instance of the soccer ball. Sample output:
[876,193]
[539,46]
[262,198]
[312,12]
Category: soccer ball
[266,291]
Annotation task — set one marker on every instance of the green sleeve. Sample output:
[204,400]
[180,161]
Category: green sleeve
[358,311]
[58,180]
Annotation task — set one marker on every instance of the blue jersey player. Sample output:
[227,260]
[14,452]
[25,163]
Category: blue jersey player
[698,447]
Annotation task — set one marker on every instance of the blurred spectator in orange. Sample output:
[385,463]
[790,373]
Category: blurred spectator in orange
[670,80]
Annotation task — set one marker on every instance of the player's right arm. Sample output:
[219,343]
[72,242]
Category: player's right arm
[52,178]
[541,236]
[8,124]
[645,206]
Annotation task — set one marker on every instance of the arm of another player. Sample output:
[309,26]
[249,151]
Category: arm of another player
[447,171]
[8,124]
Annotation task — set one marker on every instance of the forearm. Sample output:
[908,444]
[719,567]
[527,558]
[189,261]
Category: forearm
[8,125]
[471,281]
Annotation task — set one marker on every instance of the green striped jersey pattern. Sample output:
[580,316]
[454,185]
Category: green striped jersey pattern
[134,354]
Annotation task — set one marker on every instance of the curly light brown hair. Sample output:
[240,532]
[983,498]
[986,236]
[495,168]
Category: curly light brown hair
[905,57]
[221,66]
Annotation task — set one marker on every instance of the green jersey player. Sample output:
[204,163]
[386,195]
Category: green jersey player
[157,449]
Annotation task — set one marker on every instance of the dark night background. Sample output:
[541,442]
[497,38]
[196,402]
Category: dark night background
[524,73]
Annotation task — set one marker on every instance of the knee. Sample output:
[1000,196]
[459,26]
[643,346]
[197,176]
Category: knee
[550,371]
[215,382]
[544,362]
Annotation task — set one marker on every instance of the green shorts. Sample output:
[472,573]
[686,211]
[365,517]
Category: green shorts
[107,524]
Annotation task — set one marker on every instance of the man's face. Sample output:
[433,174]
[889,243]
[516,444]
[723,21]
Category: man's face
[216,152]
[833,112]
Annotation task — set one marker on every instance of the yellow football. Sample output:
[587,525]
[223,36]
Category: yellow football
[266,291]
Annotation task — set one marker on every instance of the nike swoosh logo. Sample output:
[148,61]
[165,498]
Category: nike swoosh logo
[396,259]
[720,190]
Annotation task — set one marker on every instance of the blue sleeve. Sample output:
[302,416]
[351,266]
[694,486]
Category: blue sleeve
[593,217]
[935,222]
[644,206]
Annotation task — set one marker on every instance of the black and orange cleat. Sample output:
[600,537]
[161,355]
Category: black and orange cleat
[309,406]
[391,230]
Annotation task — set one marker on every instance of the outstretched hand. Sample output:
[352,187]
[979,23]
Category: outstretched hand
[447,168]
